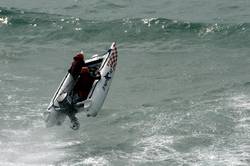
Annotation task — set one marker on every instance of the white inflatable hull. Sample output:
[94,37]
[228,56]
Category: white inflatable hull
[92,105]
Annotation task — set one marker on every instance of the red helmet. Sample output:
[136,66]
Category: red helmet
[79,57]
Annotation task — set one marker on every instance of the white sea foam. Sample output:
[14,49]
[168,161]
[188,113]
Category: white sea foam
[98,161]
[155,148]
[241,101]
[3,20]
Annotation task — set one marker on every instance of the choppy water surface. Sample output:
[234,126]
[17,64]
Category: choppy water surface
[180,95]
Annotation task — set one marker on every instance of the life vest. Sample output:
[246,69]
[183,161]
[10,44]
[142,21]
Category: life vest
[84,83]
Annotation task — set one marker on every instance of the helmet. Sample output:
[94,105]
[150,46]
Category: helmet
[79,57]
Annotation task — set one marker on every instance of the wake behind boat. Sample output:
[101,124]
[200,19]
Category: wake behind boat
[65,102]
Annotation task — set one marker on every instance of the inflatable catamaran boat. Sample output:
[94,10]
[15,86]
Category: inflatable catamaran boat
[106,65]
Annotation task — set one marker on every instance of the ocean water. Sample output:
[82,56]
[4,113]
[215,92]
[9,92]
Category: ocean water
[180,96]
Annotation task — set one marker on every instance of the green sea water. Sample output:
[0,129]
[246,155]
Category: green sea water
[180,95]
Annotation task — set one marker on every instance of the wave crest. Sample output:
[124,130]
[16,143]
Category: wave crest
[45,27]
